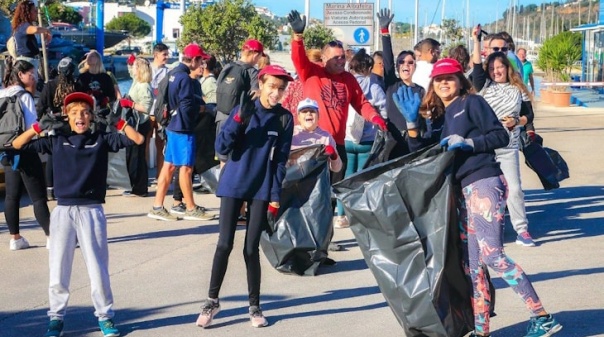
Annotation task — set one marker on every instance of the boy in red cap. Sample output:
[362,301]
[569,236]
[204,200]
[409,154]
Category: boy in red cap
[185,103]
[79,161]
[257,136]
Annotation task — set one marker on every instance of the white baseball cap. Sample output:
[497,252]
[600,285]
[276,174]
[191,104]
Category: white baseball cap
[308,103]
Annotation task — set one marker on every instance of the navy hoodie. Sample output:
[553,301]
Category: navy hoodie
[471,117]
[80,164]
[184,94]
[259,150]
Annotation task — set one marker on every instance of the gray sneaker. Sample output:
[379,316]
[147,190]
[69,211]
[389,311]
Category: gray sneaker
[198,213]
[162,214]
[179,209]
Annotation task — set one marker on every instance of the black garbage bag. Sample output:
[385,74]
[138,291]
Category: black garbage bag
[403,214]
[299,240]
[547,163]
[387,145]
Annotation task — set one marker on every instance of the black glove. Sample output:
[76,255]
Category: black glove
[385,18]
[296,22]
[51,122]
[246,107]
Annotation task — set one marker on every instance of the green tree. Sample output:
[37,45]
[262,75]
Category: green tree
[62,13]
[317,36]
[135,26]
[222,28]
[452,31]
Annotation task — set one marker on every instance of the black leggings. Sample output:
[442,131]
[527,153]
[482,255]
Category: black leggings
[137,163]
[229,212]
[30,175]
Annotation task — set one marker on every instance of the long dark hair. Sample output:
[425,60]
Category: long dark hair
[12,70]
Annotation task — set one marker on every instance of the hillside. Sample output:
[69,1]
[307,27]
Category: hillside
[538,22]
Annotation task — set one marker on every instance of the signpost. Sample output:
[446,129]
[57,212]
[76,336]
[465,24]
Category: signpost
[352,23]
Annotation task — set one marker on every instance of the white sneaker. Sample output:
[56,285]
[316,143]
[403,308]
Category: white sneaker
[18,244]
[340,221]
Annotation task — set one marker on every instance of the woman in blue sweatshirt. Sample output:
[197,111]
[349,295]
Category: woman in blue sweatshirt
[470,125]
[257,135]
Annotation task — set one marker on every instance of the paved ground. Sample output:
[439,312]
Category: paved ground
[160,270]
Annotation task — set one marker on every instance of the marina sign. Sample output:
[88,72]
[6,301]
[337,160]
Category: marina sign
[352,23]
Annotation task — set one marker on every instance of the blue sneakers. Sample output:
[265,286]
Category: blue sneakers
[55,328]
[525,239]
[543,326]
[108,328]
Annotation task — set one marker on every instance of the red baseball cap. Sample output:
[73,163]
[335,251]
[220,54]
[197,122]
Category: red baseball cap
[254,45]
[79,97]
[193,50]
[446,66]
[275,70]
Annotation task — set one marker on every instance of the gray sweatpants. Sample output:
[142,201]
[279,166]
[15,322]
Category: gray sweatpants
[510,165]
[88,226]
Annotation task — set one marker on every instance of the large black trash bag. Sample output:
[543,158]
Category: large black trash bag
[547,163]
[298,243]
[404,216]
[387,145]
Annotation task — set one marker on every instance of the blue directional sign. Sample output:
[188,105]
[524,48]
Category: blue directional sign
[362,35]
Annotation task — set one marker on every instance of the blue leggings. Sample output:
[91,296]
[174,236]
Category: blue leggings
[357,155]
[483,218]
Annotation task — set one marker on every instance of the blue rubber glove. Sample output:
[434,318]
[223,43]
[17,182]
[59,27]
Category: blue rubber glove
[407,102]
[453,142]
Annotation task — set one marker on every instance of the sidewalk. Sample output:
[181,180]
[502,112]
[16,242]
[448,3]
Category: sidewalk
[160,270]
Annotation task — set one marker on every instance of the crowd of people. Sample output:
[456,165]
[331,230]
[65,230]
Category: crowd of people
[245,118]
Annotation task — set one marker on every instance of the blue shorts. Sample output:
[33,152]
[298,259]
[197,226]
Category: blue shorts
[180,148]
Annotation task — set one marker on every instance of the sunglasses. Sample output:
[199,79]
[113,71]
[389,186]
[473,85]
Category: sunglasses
[502,49]
[407,62]
[336,43]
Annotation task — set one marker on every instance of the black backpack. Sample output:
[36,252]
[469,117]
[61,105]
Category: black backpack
[12,122]
[232,81]
[161,109]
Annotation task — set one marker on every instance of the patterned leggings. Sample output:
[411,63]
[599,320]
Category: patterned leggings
[484,210]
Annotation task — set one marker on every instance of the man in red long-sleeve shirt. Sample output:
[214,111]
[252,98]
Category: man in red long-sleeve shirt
[331,86]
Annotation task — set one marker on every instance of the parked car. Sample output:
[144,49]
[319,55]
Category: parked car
[127,51]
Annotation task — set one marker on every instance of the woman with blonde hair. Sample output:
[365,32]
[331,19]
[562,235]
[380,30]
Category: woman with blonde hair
[502,87]
[139,99]
[95,81]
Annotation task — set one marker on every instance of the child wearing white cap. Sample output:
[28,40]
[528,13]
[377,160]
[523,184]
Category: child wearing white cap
[308,133]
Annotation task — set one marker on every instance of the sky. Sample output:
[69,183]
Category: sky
[481,11]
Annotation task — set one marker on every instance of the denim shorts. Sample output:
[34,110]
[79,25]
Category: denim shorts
[180,148]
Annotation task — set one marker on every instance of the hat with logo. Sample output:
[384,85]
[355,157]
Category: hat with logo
[79,97]
[254,45]
[275,70]
[193,50]
[308,104]
[446,66]
[66,66]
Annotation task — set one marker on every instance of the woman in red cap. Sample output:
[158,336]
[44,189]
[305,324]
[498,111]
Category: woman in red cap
[470,125]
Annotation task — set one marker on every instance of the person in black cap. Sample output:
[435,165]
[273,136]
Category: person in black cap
[51,102]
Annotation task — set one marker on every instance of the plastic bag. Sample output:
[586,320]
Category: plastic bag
[298,242]
[403,214]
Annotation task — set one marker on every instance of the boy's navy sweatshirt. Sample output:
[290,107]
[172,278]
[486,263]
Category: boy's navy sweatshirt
[470,117]
[259,151]
[184,94]
[80,164]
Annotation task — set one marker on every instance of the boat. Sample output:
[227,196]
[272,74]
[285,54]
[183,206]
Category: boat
[86,36]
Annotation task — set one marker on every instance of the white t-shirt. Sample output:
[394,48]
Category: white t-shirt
[421,76]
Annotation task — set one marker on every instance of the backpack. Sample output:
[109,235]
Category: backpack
[12,122]
[11,47]
[161,109]
[232,81]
